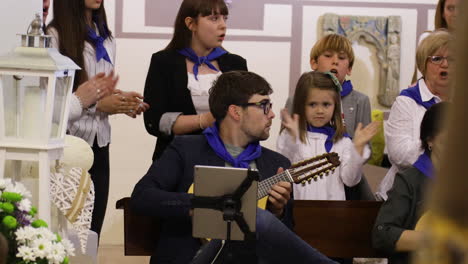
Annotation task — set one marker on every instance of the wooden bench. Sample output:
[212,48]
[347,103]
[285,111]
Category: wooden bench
[336,228]
[140,232]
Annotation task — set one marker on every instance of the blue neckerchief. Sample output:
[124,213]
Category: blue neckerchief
[252,152]
[424,165]
[192,56]
[326,130]
[415,94]
[347,87]
[98,42]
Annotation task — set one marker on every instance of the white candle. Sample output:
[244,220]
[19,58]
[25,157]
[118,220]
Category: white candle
[33,111]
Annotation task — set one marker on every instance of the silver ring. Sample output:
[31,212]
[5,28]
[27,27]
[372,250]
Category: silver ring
[98,90]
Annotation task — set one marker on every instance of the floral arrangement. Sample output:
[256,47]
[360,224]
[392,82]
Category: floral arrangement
[29,240]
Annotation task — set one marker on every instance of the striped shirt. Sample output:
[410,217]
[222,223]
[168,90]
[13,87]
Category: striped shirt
[90,123]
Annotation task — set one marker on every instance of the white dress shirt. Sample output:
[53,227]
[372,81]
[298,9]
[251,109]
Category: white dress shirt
[329,187]
[402,135]
[90,123]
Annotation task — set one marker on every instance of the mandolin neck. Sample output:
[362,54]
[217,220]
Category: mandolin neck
[265,185]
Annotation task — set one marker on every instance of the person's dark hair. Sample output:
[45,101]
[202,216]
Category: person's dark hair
[70,23]
[182,36]
[317,80]
[235,88]
[439,20]
[431,124]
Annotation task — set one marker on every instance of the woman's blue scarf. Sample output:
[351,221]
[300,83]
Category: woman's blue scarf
[424,165]
[192,56]
[415,94]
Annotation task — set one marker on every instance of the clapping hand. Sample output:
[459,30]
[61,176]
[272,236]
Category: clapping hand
[362,136]
[136,100]
[291,123]
[96,88]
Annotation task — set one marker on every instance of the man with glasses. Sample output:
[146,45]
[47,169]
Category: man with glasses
[241,105]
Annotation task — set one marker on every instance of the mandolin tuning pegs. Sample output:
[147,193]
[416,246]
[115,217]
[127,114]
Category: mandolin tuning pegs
[309,179]
[303,183]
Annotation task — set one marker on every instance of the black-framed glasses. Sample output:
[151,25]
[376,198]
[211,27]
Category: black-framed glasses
[264,104]
[439,59]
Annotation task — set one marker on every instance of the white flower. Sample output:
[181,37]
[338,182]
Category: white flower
[19,188]
[57,254]
[47,234]
[4,183]
[25,205]
[24,234]
[68,246]
[26,253]
[41,247]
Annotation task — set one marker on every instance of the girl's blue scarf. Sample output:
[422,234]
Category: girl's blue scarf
[98,42]
[347,88]
[252,152]
[424,165]
[192,56]
[415,94]
[329,131]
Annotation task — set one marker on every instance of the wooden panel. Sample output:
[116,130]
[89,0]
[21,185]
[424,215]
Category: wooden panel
[337,228]
[141,233]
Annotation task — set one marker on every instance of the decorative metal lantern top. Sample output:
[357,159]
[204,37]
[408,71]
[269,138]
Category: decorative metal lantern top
[35,52]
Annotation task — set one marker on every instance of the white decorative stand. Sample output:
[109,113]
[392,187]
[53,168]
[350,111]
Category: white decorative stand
[35,89]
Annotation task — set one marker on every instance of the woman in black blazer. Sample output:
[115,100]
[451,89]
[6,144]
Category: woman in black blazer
[180,75]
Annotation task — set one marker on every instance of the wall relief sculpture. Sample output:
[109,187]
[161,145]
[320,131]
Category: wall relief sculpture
[382,32]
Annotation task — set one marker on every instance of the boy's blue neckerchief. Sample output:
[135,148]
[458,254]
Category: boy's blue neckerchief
[347,88]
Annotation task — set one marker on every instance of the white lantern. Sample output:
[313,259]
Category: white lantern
[35,88]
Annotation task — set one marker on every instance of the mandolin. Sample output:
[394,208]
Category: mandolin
[300,173]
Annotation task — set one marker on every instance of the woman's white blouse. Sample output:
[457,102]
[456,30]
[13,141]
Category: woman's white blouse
[402,135]
[329,187]
[200,90]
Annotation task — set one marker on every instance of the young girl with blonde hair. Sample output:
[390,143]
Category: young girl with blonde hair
[316,127]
